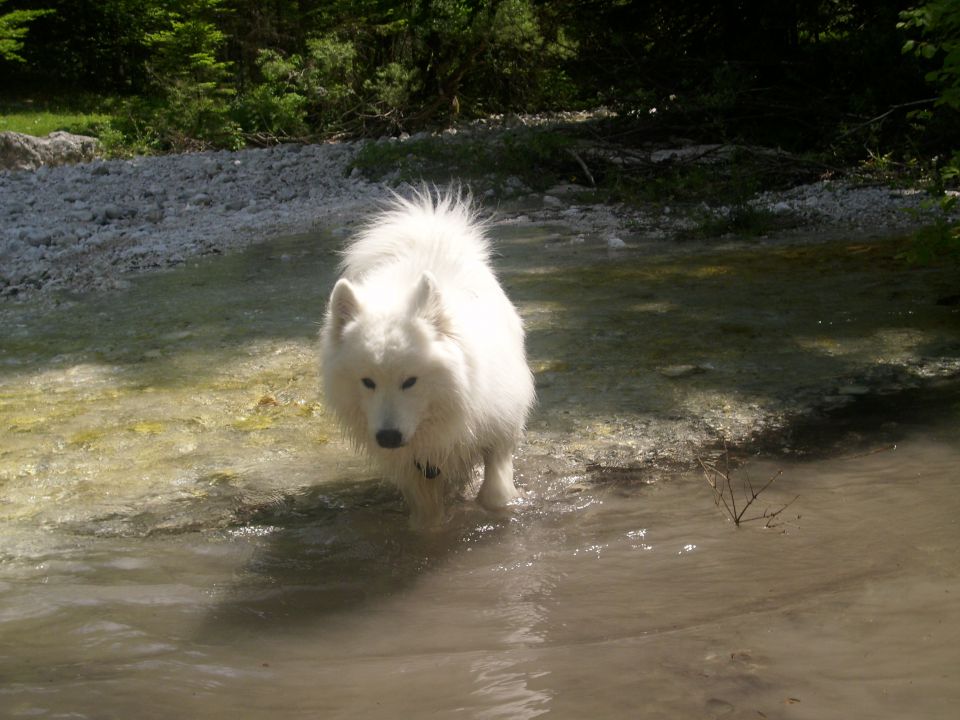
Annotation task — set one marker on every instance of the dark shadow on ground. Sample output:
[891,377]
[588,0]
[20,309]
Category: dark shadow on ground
[868,423]
[758,324]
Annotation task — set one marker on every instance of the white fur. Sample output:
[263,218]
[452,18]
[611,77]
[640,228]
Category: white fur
[417,299]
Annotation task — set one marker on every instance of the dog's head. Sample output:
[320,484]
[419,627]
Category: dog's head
[392,365]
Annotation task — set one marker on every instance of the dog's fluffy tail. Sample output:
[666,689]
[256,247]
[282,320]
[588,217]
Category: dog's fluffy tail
[441,226]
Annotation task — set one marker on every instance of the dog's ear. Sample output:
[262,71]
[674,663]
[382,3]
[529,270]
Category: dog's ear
[344,306]
[428,303]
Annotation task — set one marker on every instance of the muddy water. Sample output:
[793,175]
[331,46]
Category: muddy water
[184,534]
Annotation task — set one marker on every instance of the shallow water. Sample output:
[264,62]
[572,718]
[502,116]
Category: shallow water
[639,601]
[184,533]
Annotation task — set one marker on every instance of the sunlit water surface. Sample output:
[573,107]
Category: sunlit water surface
[185,535]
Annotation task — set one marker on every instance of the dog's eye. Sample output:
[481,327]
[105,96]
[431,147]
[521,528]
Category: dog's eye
[368,383]
[408,383]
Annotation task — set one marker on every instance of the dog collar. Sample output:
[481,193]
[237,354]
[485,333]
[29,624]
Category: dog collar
[429,471]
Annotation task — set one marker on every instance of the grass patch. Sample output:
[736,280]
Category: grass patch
[43,122]
[82,116]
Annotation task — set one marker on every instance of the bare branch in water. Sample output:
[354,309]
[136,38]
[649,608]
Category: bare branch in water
[720,480]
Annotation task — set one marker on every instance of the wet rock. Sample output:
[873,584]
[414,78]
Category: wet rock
[835,402]
[681,371]
[853,390]
[711,152]
[717,708]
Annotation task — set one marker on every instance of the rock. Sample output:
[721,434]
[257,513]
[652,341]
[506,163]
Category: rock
[26,152]
[691,152]
[681,371]
[853,390]
[81,215]
[38,238]
[154,215]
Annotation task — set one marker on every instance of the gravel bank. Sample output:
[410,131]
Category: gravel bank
[86,226]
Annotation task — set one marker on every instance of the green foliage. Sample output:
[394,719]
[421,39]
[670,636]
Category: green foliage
[937,241]
[390,91]
[13,29]
[193,81]
[521,61]
[939,236]
[936,29]
[278,105]
[938,25]
[813,74]
[301,91]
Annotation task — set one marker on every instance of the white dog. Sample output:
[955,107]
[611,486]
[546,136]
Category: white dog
[423,355]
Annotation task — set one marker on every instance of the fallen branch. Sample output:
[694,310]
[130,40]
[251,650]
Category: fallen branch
[884,115]
[583,166]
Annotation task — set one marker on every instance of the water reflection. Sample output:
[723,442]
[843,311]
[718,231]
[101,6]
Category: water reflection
[505,693]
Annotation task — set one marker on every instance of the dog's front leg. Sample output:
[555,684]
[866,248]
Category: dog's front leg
[425,498]
[497,489]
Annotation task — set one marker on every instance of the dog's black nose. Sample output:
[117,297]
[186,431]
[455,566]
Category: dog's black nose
[389,438]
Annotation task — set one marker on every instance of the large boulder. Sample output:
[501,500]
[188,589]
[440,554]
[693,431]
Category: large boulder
[26,152]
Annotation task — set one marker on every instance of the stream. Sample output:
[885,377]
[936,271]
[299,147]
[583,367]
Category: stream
[184,533]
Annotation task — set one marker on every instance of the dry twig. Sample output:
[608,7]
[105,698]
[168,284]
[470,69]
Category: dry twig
[719,479]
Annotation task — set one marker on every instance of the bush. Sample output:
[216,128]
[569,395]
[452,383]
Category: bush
[938,25]
[300,92]
[193,82]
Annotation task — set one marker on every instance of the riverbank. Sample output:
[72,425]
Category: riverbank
[90,226]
